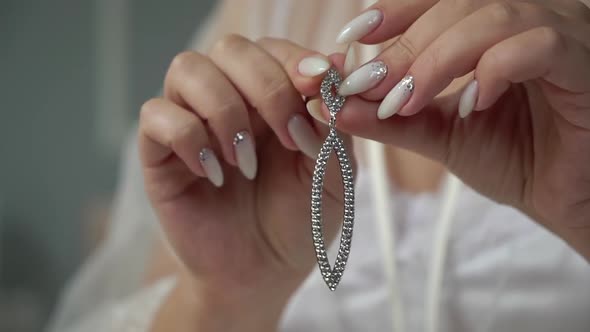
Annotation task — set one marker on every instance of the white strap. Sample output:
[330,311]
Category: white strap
[439,251]
[386,229]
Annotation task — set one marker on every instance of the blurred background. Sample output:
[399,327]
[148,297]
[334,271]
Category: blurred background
[73,77]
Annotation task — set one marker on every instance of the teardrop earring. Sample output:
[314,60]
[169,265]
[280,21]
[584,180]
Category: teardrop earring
[333,142]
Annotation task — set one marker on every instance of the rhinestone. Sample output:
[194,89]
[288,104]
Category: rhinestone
[334,102]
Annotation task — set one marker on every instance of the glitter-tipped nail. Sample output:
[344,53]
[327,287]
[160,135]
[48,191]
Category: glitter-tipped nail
[211,166]
[396,98]
[246,154]
[364,78]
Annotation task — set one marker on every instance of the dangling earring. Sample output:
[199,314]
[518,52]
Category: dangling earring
[333,142]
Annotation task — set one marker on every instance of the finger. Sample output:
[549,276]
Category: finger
[298,63]
[292,56]
[375,79]
[538,53]
[195,81]
[305,68]
[262,81]
[166,128]
[382,21]
[426,133]
[456,52]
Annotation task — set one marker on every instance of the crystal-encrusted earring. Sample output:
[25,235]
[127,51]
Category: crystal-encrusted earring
[333,142]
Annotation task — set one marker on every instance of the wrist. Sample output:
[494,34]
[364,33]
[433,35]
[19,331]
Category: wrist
[194,306]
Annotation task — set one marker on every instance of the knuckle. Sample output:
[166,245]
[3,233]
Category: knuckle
[187,68]
[503,12]
[230,43]
[405,48]
[435,58]
[491,63]
[185,133]
[183,60]
[552,40]
[227,108]
[274,92]
[281,49]
[148,109]
[464,4]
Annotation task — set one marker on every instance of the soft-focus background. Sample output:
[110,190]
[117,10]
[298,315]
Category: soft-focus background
[73,75]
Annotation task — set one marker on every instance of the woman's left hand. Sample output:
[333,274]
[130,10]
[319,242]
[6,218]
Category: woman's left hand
[525,64]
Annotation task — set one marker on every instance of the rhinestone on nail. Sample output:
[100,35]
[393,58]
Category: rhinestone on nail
[204,154]
[240,137]
[408,83]
[378,70]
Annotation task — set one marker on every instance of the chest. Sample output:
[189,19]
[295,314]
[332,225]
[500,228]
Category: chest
[503,273]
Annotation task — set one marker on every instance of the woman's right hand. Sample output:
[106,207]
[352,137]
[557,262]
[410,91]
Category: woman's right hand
[237,117]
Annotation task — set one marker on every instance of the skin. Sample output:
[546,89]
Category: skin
[531,62]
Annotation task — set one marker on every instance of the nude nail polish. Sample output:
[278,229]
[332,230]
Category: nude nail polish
[211,166]
[304,136]
[313,66]
[364,78]
[360,26]
[350,60]
[396,98]
[314,108]
[468,99]
[246,154]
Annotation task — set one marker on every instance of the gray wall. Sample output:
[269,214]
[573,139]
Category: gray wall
[52,167]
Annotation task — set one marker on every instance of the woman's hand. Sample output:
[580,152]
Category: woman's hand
[529,67]
[244,235]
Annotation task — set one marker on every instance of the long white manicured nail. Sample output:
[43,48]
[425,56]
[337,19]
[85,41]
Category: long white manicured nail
[313,66]
[396,98]
[350,60]
[246,154]
[468,99]
[211,166]
[304,136]
[360,26]
[314,108]
[364,78]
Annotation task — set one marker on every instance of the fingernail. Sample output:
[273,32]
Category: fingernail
[245,154]
[364,78]
[350,60]
[468,99]
[396,98]
[314,108]
[304,136]
[313,66]
[211,165]
[360,26]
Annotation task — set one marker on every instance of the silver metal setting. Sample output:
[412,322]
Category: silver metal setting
[241,136]
[333,142]
[378,70]
[408,83]
[204,154]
